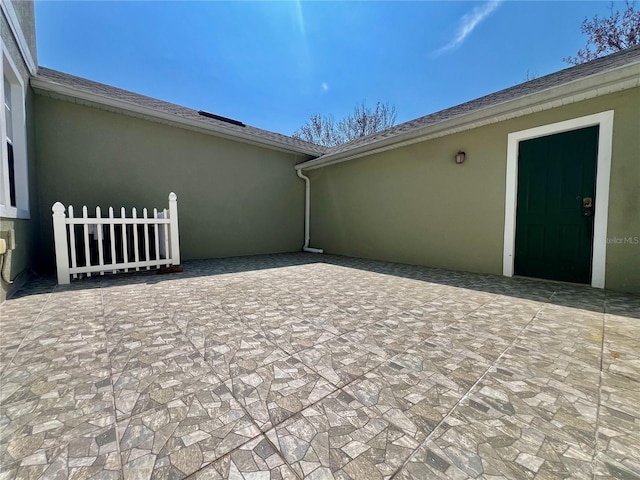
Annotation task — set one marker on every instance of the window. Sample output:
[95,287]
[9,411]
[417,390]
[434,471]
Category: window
[14,194]
[8,122]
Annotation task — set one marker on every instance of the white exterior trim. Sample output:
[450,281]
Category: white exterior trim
[16,29]
[605,141]
[13,212]
[19,140]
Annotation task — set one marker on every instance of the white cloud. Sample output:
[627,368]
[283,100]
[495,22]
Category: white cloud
[468,22]
[325,87]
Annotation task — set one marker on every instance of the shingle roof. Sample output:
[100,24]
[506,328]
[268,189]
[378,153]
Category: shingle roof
[108,91]
[540,84]
[546,83]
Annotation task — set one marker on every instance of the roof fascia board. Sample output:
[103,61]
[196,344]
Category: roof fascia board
[44,86]
[621,78]
[14,24]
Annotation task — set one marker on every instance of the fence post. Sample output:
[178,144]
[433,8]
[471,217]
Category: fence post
[60,242]
[173,229]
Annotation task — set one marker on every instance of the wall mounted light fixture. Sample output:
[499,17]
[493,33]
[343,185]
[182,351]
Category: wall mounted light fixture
[460,156]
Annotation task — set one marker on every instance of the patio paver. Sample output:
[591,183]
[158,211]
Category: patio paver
[317,366]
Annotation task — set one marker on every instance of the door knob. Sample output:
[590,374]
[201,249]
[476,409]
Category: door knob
[587,202]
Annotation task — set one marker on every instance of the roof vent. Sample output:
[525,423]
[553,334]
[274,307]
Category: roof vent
[222,119]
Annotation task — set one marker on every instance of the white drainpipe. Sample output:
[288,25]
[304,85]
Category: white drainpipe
[307,211]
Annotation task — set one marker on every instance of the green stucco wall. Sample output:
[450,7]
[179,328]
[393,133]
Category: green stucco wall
[233,198]
[25,11]
[415,205]
[623,259]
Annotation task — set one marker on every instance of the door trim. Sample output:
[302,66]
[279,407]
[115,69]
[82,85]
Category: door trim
[605,140]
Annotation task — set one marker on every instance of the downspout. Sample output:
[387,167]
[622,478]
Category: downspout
[307,212]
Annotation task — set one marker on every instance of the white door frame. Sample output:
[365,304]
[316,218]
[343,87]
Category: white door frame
[605,139]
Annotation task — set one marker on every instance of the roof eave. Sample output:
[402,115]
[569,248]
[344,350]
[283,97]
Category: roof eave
[604,83]
[51,88]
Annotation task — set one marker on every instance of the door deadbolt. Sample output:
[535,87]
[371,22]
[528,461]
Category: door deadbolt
[587,202]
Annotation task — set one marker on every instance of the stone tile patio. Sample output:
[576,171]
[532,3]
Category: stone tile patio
[302,366]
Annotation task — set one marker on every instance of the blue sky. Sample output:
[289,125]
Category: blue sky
[274,64]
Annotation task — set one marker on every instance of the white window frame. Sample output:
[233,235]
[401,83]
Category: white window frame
[19,141]
[605,144]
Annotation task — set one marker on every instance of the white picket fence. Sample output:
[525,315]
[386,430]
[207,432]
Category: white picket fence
[88,245]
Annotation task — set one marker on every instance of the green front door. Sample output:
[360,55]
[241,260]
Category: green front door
[556,202]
